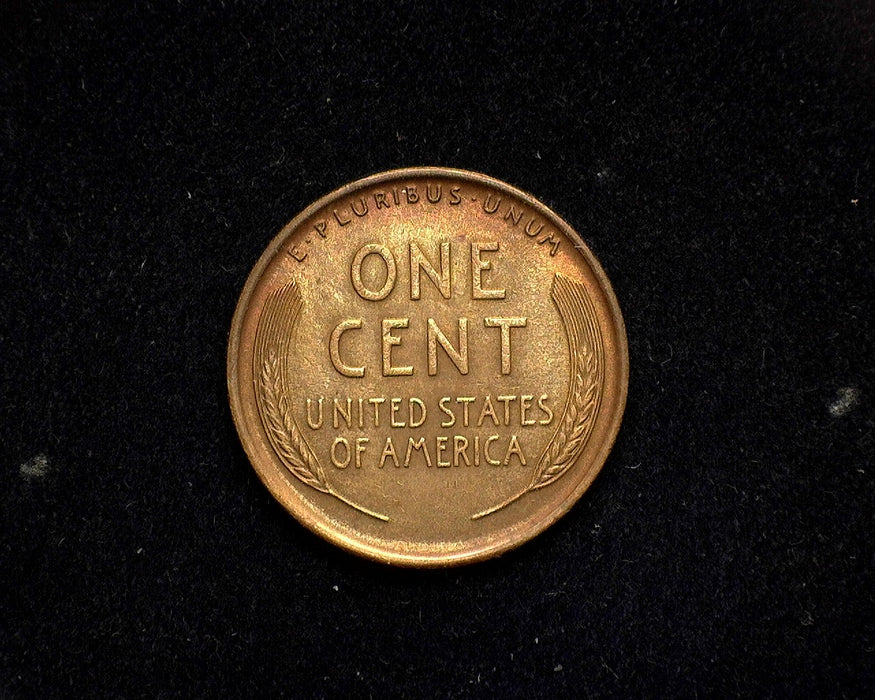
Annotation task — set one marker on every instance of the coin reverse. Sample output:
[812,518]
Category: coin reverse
[427,367]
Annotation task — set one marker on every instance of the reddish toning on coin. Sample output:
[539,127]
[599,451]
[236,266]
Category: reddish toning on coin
[427,367]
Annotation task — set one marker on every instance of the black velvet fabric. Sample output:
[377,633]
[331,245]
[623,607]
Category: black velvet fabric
[718,159]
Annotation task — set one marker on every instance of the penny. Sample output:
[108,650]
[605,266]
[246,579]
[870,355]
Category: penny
[427,367]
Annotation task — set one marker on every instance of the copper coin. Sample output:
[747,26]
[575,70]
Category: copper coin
[427,367]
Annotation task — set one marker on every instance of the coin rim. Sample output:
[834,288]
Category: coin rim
[322,527]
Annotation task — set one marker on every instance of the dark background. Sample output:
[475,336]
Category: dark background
[717,158]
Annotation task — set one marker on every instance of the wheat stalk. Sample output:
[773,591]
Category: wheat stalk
[276,411]
[568,442]
[284,432]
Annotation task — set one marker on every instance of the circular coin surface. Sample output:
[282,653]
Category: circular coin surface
[427,367]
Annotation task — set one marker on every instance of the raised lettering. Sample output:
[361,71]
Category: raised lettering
[489,441]
[459,357]
[514,449]
[356,272]
[419,262]
[478,266]
[389,451]
[341,412]
[542,404]
[314,425]
[394,407]
[512,214]
[440,448]
[360,444]
[505,324]
[380,200]
[442,404]
[487,410]
[554,244]
[460,449]
[389,341]
[525,405]
[488,207]
[334,348]
[533,231]
[376,402]
[419,445]
[362,207]
[414,422]
[506,400]
[340,463]
[464,400]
